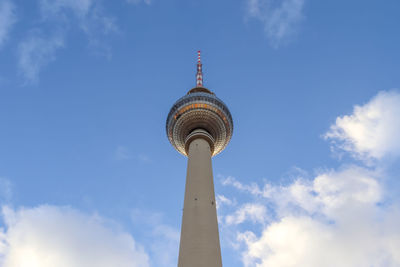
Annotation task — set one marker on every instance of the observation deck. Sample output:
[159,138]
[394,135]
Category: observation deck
[199,114]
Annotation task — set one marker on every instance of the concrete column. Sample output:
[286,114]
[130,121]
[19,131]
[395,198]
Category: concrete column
[199,245]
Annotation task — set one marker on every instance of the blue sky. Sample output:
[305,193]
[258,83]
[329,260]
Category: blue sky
[310,177]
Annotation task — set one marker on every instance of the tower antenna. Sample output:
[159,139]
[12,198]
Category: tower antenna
[199,75]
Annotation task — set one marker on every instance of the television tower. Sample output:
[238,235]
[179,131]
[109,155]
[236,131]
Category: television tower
[199,126]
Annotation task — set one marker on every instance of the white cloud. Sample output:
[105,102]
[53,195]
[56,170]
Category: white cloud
[49,236]
[341,217]
[304,241]
[7,19]
[223,200]
[327,193]
[280,17]
[334,220]
[372,131]
[252,188]
[35,53]
[255,213]
[335,192]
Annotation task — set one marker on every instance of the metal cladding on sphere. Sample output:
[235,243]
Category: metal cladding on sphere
[200,109]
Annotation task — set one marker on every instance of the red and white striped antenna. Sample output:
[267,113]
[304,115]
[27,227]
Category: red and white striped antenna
[199,75]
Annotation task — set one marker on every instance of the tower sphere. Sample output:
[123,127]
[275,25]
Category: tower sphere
[199,114]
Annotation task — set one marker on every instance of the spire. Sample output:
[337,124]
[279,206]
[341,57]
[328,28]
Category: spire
[199,75]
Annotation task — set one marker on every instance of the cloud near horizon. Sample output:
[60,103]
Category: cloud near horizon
[341,217]
[49,236]
[336,219]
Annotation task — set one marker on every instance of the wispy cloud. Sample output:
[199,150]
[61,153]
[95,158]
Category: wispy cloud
[144,158]
[253,212]
[252,188]
[39,49]
[122,153]
[36,52]
[162,240]
[281,18]
[222,200]
[49,236]
[136,2]
[343,217]
[5,189]
[87,14]
[7,19]
[52,8]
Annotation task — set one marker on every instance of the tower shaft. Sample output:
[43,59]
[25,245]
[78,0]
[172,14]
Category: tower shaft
[199,244]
